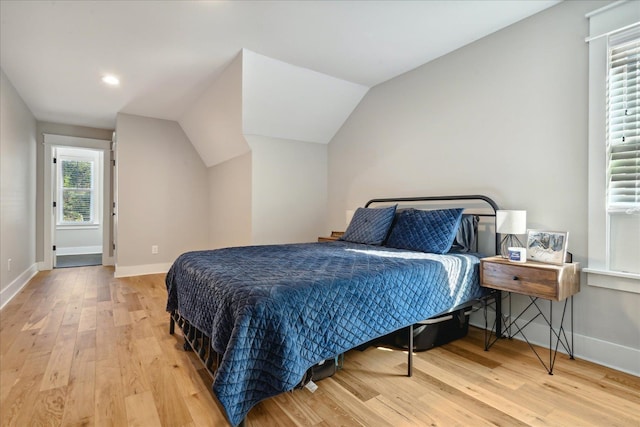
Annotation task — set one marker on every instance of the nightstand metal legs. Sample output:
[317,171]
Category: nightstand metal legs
[557,336]
[493,333]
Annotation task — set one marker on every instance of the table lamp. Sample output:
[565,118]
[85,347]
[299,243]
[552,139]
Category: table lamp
[509,224]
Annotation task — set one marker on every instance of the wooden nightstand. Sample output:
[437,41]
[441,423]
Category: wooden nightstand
[535,280]
[335,235]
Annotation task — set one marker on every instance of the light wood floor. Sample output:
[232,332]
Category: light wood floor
[80,348]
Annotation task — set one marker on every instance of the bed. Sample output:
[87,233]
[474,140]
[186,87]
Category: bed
[260,316]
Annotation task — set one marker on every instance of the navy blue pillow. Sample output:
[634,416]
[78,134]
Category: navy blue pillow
[425,231]
[370,225]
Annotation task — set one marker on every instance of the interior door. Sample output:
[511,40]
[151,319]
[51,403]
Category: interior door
[54,198]
[114,201]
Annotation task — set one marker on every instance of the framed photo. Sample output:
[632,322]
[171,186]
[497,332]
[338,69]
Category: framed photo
[547,246]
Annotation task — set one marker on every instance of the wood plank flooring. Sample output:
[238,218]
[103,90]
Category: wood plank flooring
[80,348]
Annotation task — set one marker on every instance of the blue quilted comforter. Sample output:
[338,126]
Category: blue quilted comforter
[274,311]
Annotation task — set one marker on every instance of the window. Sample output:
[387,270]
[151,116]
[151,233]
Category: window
[78,198]
[623,151]
[77,191]
[623,123]
[614,147]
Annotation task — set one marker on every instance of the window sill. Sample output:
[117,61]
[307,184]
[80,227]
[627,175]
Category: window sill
[77,226]
[619,281]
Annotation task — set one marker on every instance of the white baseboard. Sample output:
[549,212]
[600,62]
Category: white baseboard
[611,355]
[79,250]
[140,270]
[16,286]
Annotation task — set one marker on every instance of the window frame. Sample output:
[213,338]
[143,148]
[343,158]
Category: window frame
[603,23]
[73,154]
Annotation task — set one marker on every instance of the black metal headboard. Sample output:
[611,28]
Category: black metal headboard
[479,205]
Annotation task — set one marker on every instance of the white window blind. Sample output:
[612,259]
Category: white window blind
[614,223]
[77,191]
[623,123]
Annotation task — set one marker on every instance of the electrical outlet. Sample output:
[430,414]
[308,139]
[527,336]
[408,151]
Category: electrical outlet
[154,249]
[9,264]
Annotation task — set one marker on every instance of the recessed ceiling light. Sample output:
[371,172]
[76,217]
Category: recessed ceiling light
[111,80]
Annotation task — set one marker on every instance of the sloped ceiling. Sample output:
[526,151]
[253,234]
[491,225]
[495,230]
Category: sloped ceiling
[167,53]
[256,95]
[213,122]
[281,100]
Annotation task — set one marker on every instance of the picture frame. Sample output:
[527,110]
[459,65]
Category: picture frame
[547,246]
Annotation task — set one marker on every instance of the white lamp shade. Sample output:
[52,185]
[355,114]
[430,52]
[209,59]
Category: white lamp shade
[511,222]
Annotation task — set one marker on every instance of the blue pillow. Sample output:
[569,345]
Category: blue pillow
[425,231]
[370,225]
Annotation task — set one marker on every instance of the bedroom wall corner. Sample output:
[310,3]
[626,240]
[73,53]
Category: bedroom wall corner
[162,195]
[17,191]
[230,202]
[289,190]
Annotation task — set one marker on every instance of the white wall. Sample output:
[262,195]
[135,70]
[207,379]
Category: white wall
[75,241]
[230,202]
[162,195]
[289,190]
[507,117]
[17,191]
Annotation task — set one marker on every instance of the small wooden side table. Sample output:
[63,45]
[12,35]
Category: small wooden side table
[335,235]
[537,281]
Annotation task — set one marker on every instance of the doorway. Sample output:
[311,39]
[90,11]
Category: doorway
[77,229]
[78,196]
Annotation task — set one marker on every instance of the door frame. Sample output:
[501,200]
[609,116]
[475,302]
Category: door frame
[51,141]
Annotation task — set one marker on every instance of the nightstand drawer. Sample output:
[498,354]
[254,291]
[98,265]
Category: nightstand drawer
[521,279]
[552,282]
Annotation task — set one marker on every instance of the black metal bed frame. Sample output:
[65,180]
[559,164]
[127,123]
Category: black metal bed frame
[493,295]
[198,342]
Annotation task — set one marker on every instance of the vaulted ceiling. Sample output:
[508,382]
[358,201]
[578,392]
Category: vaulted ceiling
[258,95]
[168,53]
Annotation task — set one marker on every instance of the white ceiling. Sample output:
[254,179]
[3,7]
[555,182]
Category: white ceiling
[167,52]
